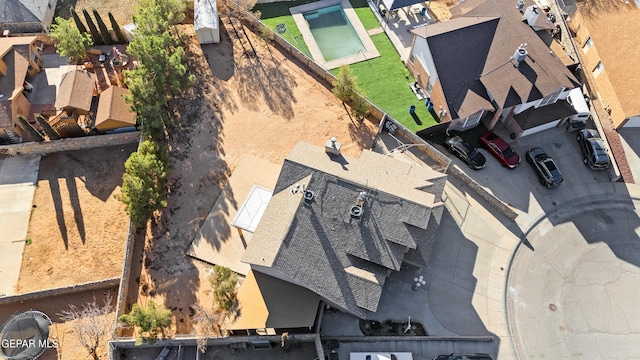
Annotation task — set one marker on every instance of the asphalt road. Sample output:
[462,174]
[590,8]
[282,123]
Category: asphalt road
[575,295]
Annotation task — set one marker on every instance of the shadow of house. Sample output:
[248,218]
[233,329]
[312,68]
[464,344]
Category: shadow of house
[19,58]
[74,99]
[113,112]
[27,16]
[340,232]
[486,60]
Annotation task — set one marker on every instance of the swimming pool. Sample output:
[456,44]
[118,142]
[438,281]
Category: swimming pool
[333,32]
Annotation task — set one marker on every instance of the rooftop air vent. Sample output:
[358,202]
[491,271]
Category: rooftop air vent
[308,196]
[520,54]
[356,211]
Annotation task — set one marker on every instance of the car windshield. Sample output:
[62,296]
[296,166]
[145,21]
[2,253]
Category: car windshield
[508,152]
[473,154]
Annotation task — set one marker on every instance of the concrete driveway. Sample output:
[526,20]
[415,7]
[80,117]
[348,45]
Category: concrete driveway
[520,187]
[18,177]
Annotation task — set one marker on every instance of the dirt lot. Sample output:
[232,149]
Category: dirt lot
[78,229]
[121,10]
[238,105]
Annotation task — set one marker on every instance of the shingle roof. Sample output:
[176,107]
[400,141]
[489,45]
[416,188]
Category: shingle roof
[533,117]
[318,245]
[23,11]
[112,107]
[17,62]
[76,90]
[472,54]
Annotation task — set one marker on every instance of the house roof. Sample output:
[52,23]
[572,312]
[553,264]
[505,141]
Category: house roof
[265,302]
[474,51]
[17,62]
[398,4]
[7,43]
[533,117]
[23,11]
[205,14]
[112,106]
[613,31]
[319,246]
[76,90]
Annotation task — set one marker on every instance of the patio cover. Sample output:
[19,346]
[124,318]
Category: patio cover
[397,4]
[265,302]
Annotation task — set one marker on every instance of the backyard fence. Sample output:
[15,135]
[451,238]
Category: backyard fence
[65,290]
[68,144]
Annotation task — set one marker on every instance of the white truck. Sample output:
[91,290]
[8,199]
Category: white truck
[577,121]
[381,356]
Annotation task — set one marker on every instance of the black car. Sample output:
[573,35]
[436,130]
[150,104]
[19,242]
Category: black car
[465,151]
[595,155]
[546,169]
[463,357]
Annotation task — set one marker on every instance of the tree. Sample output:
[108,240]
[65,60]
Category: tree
[153,17]
[359,106]
[103,28]
[208,323]
[44,125]
[77,20]
[151,321]
[144,183]
[90,324]
[97,38]
[117,30]
[344,87]
[223,283]
[71,42]
[26,126]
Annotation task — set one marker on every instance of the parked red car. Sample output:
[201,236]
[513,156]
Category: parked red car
[500,149]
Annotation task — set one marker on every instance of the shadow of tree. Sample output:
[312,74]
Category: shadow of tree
[260,76]
[592,8]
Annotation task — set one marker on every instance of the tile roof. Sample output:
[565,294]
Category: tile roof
[76,90]
[113,108]
[472,54]
[318,245]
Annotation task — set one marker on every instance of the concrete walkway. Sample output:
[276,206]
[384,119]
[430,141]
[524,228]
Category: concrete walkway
[18,177]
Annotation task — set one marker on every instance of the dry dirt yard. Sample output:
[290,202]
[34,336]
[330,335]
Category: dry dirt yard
[238,105]
[77,227]
[122,10]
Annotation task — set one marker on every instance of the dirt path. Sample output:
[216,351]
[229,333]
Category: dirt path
[238,105]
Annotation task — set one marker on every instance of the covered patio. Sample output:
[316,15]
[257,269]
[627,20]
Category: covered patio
[398,17]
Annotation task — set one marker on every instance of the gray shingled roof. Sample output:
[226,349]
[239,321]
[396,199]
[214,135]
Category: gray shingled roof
[22,11]
[533,117]
[342,259]
[471,53]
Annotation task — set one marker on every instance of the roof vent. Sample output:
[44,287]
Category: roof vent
[356,211]
[308,196]
[520,54]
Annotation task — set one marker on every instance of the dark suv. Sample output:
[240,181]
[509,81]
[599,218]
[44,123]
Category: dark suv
[595,155]
[465,151]
[546,169]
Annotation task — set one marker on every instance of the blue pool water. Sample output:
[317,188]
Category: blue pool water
[333,32]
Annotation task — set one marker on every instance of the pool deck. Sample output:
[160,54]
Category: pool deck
[369,52]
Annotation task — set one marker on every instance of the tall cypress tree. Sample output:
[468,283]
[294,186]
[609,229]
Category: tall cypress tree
[77,20]
[44,125]
[35,134]
[97,38]
[116,29]
[103,28]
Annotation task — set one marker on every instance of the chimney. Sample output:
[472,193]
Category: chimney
[332,147]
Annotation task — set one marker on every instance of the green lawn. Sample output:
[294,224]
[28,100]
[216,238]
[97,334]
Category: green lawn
[385,79]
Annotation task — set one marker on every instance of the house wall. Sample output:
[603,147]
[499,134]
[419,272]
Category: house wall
[613,33]
[278,275]
[20,105]
[420,52]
